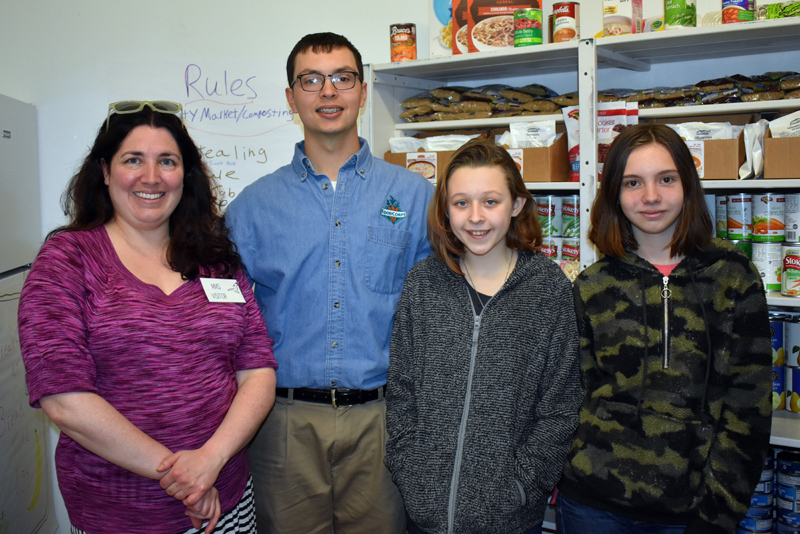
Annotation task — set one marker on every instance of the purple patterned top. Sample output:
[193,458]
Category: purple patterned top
[166,362]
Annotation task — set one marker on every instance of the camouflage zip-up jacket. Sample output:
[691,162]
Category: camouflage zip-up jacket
[675,422]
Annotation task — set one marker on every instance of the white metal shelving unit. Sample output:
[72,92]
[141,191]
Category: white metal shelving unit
[665,52]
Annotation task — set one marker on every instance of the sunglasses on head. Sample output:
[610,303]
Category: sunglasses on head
[134,106]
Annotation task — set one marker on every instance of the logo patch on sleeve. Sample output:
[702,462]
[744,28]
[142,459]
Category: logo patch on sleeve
[392,210]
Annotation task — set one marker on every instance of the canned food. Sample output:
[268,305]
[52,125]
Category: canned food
[551,21]
[759,512]
[740,530]
[745,244]
[551,247]
[768,216]
[680,14]
[776,328]
[788,516]
[778,387]
[757,525]
[527,27]
[740,217]
[765,486]
[549,210]
[737,11]
[791,341]
[788,505]
[762,499]
[403,42]
[792,377]
[783,528]
[790,270]
[767,259]
[791,214]
[721,219]
[790,494]
[566,21]
[571,216]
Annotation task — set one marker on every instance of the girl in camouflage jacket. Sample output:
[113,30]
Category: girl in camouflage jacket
[675,356]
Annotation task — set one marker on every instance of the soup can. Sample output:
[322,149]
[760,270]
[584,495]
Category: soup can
[738,11]
[527,27]
[790,269]
[571,216]
[721,219]
[403,42]
[745,244]
[792,378]
[566,21]
[787,513]
[791,216]
[791,341]
[754,524]
[762,499]
[767,259]
[768,216]
[548,208]
[777,331]
[680,14]
[790,494]
[778,387]
[783,528]
[765,486]
[740,216]
[551,247]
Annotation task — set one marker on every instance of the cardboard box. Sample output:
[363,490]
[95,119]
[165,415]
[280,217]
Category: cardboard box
[460,28]
[622,17]
[490,23]
[548,164]
[440,28]
[719,159]
[781,157]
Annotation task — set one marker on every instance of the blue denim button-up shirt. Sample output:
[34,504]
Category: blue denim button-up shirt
[328,264]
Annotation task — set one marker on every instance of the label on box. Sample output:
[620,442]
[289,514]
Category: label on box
[440,28]
[518,157]
[423,163]
[697,150]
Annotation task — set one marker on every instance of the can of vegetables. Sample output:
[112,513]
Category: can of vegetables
[790,270]
[740,216]
[768,217]
[680,14]
[403,42]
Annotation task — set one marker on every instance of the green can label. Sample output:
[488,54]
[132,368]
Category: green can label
[680,13]
[527,27]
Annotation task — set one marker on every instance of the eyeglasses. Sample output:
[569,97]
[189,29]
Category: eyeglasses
[314,81]
[134,106]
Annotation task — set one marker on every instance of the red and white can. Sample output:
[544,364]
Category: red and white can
[566,21]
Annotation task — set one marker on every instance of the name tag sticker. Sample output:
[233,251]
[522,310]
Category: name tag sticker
[222,290]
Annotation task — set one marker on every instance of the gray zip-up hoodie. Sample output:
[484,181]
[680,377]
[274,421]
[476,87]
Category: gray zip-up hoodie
[481,409]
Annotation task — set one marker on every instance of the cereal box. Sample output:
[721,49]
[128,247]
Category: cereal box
[440,27]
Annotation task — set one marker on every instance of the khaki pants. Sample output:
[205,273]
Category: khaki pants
[319,469]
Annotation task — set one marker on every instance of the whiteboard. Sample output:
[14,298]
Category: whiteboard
[26,505]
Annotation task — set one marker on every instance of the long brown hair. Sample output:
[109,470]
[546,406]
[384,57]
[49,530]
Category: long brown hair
[524,232]
[198,237]
[611,231]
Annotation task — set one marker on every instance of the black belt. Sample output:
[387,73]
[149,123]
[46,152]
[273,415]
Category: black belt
[334,397]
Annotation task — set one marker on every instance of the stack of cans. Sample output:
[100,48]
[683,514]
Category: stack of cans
[559,218]
[759,223]
[785,330]
[787,502]
[775,504]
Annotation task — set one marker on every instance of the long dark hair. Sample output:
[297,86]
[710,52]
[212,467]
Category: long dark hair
[198,237]
[524,232]
[611,230]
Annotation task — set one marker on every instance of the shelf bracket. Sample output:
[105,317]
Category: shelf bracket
[615,59]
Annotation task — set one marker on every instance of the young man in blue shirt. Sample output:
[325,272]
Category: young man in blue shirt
[327,241]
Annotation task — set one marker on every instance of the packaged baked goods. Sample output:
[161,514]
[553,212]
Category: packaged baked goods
[488,93]
[703,131]
[756,83]
[725,96]
[792,94]
[451,94]
[534,134]
[612,95]
[717,84]
[791,81]
[528,93]
[567,99]
[420,99]
[413,112]
[541,105]
[468,106]
[763,96]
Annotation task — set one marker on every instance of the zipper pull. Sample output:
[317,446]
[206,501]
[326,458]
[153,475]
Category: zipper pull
[666,293]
